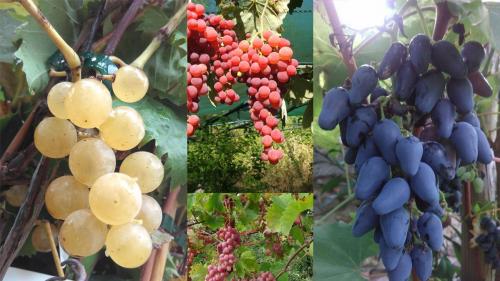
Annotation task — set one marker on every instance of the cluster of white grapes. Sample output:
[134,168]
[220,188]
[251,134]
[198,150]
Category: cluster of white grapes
[99,206]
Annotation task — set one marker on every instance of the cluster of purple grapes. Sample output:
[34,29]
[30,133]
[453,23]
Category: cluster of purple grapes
[230,240]
[489,241]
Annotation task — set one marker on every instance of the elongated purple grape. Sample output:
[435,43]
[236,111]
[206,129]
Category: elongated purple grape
[395,193]
[385,135]
[473,54]
[394,227]
[393,59]
[430,229]
[377,235]
[472,119]
[343,131]
[406,79]
[443,116]
[366,220]
[421,258]
[371,177]
[480,84]
[445,57]
[378,92]
[350,155]
[403,269]
[423,184]
[364,81]
[420,50]
[366,150]
[429,90]
[409,153]
[435,155]
[484,154]
[460,94]
[465,141]
[335,108]
[359,124]
[390,257]
[366,114]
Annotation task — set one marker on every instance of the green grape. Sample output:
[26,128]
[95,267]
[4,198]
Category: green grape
[124,128]
[66,195]
[55,137]
[150,213]
[146,167]
[88,103]
[130,84]
[16,194]
[82,234]
[129,245]
[40,240]
[56,97]
[91,158]
[115,198]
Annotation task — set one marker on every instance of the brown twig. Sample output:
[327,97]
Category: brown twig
[53,248]
[126,20]
[306,244]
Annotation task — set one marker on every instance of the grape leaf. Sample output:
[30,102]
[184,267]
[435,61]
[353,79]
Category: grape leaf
[168,129]
[338,255]
[7,32]
[152,20]
[36,46]
[262,15]
[197,272]
[247,262]
[284,210]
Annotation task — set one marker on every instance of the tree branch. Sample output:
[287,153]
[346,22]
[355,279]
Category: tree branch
[126,20]
[292,258]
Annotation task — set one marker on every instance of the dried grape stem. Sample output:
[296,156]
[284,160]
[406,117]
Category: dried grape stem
[53,249]
[126,20]
[69,54]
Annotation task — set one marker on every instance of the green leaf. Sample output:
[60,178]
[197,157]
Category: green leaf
[197,272]
[262,15]
[152,20]
[284,210]
[338,255]
[7,32]
[247,262]
[37,47]
[168,129]
[297,234]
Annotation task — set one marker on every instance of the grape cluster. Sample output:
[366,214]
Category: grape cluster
[95,195]
[264,64]
[489,241]
[396,168]
[230,240]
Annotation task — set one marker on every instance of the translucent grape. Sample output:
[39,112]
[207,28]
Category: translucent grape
[88,103]
[150,213]
[91,158]
[146,167]
[130,84]
[66,195]
[82,234]
[56,97]
[124,128]
[129,245]
[16,194]
[55,137]
[40,240]
[115,198]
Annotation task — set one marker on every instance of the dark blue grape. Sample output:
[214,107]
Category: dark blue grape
[366,220]
[364,81]
[473,54]
[390,257]
[421,258]
[472,119]
[484,154]
[393,58]
[436,156]
[430,229]
[423,184]
[460,94]
[443,116]
[350,155]
[378,92]
[359,124]
[395,193]
[409,153]
[445,57]
[465,141]
[406,78]
[403,269]
[420,50]
[366,150]
[480,84]
[428,90]
[335,108]
[394,227]
[371,177]
[385,135]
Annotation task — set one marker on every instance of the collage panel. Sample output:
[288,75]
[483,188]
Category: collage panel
[250,236]
[405,137]
[93,144]
[249,96]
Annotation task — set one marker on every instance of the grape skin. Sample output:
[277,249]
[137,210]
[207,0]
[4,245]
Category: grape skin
[16,194]
[39,238]
[129,245]
[64,196]
[55,137]
[130,84]
[56,97]
[146,167]
[150,214]
[123,129]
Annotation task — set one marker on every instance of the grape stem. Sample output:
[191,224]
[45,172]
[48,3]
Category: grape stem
[339,206]
[126,20]
[53,248]
[306,244]
[161,36]
[69,54]
[422,19]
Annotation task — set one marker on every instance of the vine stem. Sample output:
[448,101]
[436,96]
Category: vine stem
[53,248]
[69,54]
[126,20]
[292,258]
[422,19]
[338,33]
[338,207]
[164,33]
